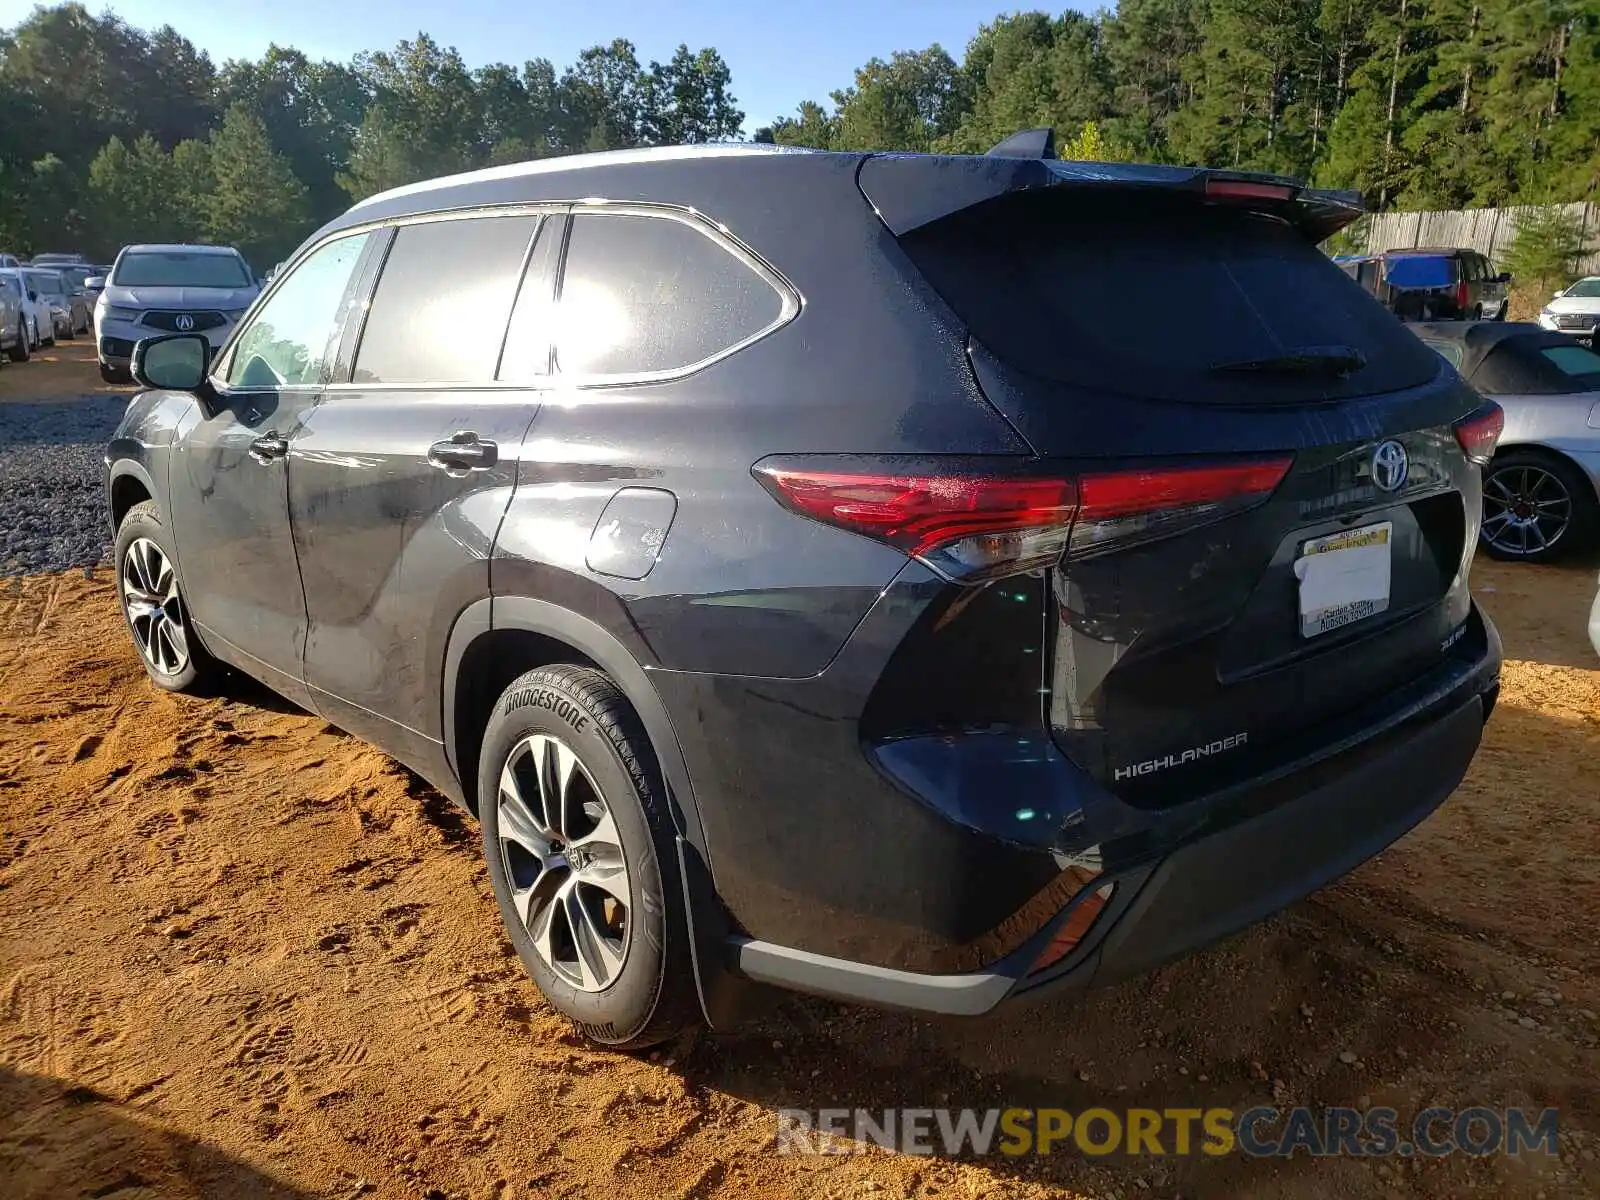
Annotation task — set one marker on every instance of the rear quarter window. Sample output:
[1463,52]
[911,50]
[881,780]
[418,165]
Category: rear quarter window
[652,294]
[1575,360]
[1146,296]
[1449,351]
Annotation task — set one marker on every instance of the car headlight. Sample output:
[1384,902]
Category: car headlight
[119,314]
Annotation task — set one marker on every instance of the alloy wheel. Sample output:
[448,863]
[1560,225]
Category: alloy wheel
[1526,510]
[563,863]
[155,609]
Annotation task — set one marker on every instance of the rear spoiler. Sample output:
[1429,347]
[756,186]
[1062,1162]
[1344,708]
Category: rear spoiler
[912,190]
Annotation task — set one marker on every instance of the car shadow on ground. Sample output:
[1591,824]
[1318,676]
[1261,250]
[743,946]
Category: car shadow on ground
[62,1139]
[1268,1018]
[1370,992]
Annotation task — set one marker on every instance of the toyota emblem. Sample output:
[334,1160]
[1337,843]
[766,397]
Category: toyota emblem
[1390,466]
[185,323]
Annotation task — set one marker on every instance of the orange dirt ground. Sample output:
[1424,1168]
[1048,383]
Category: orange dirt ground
[60,372]
[244,955]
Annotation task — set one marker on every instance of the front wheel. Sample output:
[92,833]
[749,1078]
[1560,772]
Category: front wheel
[111,374]
[580,849]
[153,605]
[21,351]
[1536,506]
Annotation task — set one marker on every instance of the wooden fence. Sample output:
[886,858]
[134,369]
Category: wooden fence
[1487,230]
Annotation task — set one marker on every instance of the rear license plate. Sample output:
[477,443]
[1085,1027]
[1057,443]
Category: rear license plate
[1344,578]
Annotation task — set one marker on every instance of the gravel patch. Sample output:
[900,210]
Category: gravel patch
[52,483]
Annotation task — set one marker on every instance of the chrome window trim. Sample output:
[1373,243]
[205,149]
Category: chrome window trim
[791,302]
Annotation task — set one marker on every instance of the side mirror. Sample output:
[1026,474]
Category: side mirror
[1503,277]
[33,295]
[94,283]
[177,362]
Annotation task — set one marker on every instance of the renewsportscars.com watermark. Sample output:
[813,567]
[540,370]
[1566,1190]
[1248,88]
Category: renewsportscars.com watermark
[1260,1132]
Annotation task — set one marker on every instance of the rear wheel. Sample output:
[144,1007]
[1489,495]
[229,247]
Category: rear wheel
[580,850]
[1536,506]
[1477,312]
[20,351]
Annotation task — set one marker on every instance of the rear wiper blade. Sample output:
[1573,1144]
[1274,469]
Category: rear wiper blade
[1307,360]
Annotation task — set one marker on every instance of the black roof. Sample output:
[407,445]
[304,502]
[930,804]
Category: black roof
[907,190]
[1503,357]
[1446,251]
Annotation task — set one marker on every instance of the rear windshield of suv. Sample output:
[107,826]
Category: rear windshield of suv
[178,268]
[1150,295]
[1419,271]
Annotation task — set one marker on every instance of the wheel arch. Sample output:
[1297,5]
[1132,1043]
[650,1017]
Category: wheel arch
[502,637]
[129,484]
[508,635]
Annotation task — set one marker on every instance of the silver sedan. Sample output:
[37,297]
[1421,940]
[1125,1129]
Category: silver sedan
[1541,491]
[1594,623]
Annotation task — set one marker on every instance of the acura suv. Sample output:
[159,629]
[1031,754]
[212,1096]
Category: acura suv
[807,582]
[200,289]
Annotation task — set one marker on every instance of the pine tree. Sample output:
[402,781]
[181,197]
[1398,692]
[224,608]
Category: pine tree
[258,205]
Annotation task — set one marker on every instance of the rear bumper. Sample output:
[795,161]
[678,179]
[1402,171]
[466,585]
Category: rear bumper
[1211,867]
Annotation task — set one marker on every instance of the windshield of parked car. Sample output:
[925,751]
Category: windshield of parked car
[1588,289]
[180,268]
[1418,271]
[45,281]
[76,275]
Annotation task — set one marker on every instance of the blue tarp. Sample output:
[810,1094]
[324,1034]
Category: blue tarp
[1418,271]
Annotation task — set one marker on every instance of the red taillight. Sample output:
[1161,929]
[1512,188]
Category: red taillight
[968,524]
[972,526]
[1245,189]
[1118,509]
[1461,297]
[1479,432]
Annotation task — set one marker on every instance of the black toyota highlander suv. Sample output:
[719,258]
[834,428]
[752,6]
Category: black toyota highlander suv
[811,582]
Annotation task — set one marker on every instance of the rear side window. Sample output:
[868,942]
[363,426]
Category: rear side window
[442,301]
[1528,364]
[1149,296]
[646,295]
[1574,360]
[1448,351]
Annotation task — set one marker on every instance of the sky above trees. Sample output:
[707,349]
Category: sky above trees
[115,134]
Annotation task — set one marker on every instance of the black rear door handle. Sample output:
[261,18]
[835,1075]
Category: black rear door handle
[269,446]
[464,452]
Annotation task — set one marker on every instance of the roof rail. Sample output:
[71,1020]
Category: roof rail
[1029,143]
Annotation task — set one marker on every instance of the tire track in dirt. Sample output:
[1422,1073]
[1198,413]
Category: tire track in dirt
[244,952]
